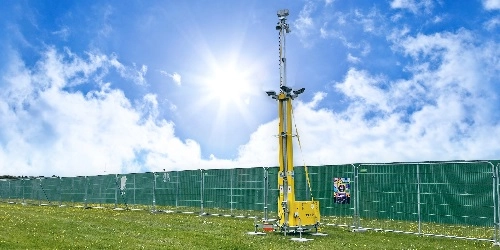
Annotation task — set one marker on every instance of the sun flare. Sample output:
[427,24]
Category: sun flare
[227,85]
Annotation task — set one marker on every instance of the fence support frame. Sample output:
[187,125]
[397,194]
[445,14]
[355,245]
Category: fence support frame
[202,187]
[153,209]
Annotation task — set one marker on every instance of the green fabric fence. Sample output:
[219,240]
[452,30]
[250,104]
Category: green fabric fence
[419,197]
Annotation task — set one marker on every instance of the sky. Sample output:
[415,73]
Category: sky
[105,87]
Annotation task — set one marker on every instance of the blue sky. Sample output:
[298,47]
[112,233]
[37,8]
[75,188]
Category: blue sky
[93,87]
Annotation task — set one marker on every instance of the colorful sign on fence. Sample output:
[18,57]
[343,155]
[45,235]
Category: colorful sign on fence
[341,188]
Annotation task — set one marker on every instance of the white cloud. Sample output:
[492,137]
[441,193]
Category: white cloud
[304,25]
[365,89]
[262,148]
[492,23]
[171,106]
[444,111]
[372,22]
[176,77]
[328,2]
[352,59]
[46,129]
[136,75]
[413,6]
[64,33]
[404,4]
[491,4]
[356,22]
[325,33]
[129,73]
[437,19]
[104,13]
[317,98]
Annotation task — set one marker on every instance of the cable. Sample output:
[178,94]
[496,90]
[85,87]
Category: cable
[302,155]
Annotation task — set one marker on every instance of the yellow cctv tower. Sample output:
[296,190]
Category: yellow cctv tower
[293,216]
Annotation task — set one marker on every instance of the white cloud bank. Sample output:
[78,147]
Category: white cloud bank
[46,129]
[447,109]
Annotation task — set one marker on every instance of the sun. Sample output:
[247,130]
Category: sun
[227,84]
[227,88]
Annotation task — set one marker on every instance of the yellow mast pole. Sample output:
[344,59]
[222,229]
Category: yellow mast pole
[292,214]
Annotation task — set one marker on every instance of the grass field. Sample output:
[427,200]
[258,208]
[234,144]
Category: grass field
[51,227]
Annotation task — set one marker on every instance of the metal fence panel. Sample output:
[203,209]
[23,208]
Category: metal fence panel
[135,190]
[388,193]
[217,191]
[448,198]
[333,211]
[272,191]
[190,189]
[248,192]
[101,191]
[73,190]
[49,190]
[453,198]
[166,189]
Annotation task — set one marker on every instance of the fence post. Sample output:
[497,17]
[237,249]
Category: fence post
[9,193]
[86,192]
[73,191]
[154,193]
[60,191]
[22,184]
[357,223]
[202,187]
[99,197]
[496,207]
[231,176]
[266,192]
[135,203]
[116,191]
[39,192]
[418,201]
[177,190]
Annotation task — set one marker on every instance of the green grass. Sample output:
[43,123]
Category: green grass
[51,227]
[459,230]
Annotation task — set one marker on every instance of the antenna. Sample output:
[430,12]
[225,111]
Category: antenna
[283,28]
